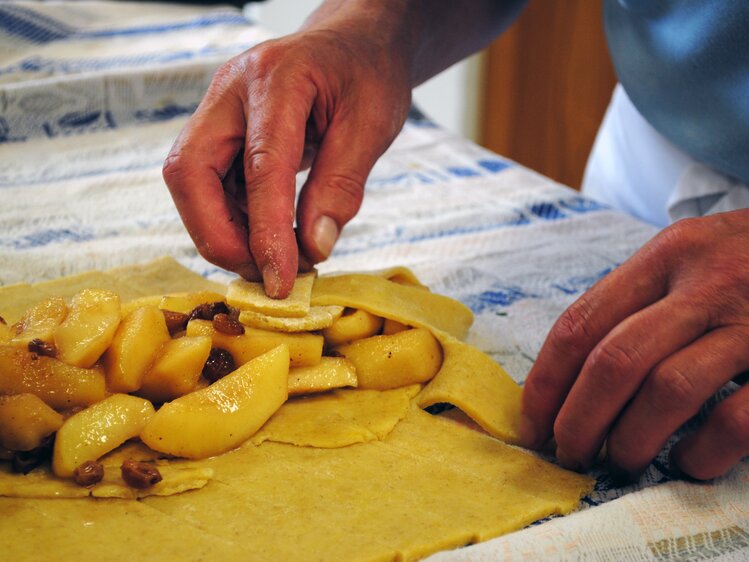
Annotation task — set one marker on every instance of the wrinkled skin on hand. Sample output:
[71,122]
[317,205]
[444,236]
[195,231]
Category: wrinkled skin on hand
[322,98]
[638,355]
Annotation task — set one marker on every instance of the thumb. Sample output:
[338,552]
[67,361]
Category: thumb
[334,189]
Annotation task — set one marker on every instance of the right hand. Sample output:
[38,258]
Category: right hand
[330,97]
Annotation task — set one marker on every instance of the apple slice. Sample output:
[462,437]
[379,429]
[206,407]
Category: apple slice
[177,368]
[329,373]
[400,359]
[40,321]
[224,415]
[58,384]
[134,347]
[25,420]
[98,429]
[304,349]
[89,327]
[186,302]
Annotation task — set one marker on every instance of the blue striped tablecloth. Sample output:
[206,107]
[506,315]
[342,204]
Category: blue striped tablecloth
[92,95]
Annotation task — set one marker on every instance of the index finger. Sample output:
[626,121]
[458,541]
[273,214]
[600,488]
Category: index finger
[277,113]
[629,288]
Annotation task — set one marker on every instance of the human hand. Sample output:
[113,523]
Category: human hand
[332,96]
[638,355]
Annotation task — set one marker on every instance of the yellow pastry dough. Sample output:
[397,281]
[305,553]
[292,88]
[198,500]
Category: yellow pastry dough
[159,277]
[338,418]
[430,485]
[472,381]
[16,299]
[419,485]
[408,304]
[318,318]
[246,295]
[178,476]
[468,378]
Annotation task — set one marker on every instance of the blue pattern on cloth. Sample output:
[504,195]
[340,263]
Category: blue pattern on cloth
[83,138]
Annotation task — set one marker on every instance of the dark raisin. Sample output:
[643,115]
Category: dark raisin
[42,348]
[140,475]
[226,325]
[219,364]
[175,321]
[89,473]
[208,310]
[2,321]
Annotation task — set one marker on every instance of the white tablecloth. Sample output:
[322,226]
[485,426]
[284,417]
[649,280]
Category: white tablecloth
[92,95]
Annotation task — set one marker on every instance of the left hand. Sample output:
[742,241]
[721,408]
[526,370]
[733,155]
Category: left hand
[638,355]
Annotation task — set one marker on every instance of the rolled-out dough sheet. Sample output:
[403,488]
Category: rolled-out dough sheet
[338,418]
[160,276]
[430,485]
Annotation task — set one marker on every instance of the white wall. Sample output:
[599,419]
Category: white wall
[451,98]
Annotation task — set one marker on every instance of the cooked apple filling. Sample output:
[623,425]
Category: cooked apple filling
[195,374]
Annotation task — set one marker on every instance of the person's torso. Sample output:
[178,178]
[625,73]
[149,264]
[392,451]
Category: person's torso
[685,66]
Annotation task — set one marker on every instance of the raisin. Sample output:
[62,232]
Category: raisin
[175,321]
[89,473]
[2,321]
[219,364]
[42,348]
[140,475]
[208,310]
[226,325]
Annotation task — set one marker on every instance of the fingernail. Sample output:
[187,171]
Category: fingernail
[528,435]
[325,235]
[271,281]
[567,461]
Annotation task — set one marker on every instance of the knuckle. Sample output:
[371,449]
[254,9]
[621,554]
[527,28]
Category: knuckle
[173,169]
[347,189]
[683,233]
[228,71]
[263,59]
[172,165]
[264,233]
[612,363]
[261,163]
[670,387]
[571,332]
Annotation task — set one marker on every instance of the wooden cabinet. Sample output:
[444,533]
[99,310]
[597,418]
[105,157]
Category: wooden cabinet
[548,81]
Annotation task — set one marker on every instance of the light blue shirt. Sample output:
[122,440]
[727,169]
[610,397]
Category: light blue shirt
[685,66]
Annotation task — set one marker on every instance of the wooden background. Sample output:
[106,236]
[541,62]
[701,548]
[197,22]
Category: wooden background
[548,81]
